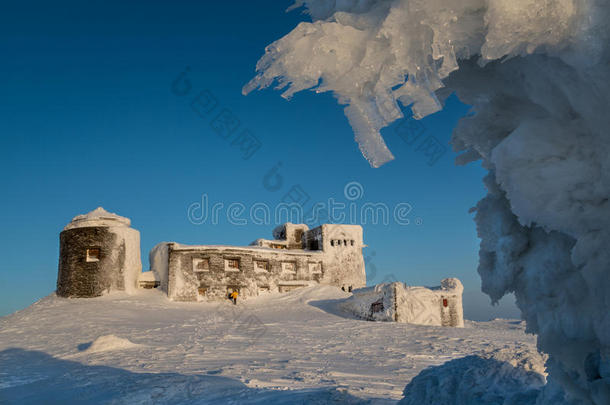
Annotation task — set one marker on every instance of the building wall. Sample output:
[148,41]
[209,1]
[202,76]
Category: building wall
[79,278]
[342,246]
[291,233]
[440,306]
[337,248]
[451,314]
[184,281]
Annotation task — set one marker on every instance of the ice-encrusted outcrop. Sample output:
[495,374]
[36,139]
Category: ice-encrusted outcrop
[537,73]
[501,377]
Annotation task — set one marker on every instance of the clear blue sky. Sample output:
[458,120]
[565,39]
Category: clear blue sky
[88,119]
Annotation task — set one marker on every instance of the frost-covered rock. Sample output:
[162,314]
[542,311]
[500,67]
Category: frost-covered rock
[397,302]
[537,76]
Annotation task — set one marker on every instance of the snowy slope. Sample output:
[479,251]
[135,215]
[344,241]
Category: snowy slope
[291,348]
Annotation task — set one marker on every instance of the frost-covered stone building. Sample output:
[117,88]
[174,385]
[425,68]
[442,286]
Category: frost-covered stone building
[98,252]
[397,302]
[297,256]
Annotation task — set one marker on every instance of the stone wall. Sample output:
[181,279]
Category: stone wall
[329,254]
[79,278]
[185,282]
[342,245]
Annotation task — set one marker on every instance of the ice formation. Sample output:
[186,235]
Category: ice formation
[537,74]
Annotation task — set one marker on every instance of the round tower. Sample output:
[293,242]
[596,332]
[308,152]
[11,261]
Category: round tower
[98,252]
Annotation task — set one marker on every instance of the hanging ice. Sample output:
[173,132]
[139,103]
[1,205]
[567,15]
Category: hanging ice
[537,73]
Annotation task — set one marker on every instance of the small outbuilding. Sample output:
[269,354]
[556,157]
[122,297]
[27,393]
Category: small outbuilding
[397,302]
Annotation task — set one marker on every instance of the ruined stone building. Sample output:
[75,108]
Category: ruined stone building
[296,257]
[398,302]
[98,252]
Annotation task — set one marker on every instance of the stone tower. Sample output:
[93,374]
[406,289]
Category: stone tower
[98,252]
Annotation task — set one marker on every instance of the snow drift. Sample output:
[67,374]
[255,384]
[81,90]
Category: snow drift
[110,342]
[537,75]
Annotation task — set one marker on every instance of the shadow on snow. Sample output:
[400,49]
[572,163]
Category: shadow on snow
[33,377]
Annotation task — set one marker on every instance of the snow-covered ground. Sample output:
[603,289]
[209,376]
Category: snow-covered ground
[291,348]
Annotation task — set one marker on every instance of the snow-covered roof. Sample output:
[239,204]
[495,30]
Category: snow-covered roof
[296,282]
[179,246]
[147,276]
[261,241]
[98,217]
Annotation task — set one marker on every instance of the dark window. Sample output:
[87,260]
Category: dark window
[315,268]
[289,266]
[200,265]
[261,265]
[377,306]
[93,255]
[232,264]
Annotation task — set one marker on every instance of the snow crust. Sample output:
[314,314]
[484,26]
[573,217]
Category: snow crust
[98,217]
[296,347]
[536,74]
